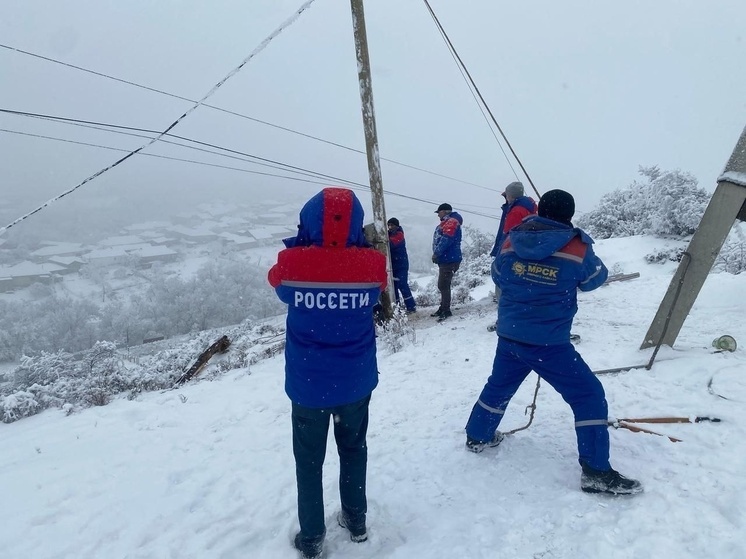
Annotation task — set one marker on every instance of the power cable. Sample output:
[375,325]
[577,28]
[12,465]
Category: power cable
[239,155]
[240,115]
[351,184]
[461,65]
[111,148]
[130,131]
[211,92]
[476,89]
[263,160]
[479,105]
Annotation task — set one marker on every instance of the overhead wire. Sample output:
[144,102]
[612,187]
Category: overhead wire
[473,89]
[281,166]
[240,115]
[159,156]
[175,123]
[338,180]
[470,87]
[131,131]
[230,153]
[478,92]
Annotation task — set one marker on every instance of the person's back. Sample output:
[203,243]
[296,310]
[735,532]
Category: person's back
[397,247]
[541,265]
[447,255]
[400,264]
[516,208]
[331,280]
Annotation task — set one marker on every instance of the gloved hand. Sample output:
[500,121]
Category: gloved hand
[435,259]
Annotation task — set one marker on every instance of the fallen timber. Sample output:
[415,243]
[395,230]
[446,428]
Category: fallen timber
[220,346]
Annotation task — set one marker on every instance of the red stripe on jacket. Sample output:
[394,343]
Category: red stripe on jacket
[449,226]
[329,265]
[574,250]
[337,215]
[397,238]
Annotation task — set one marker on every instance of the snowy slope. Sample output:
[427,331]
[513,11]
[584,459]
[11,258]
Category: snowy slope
[207,471]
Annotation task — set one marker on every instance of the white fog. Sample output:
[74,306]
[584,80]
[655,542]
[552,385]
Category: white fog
[147,263]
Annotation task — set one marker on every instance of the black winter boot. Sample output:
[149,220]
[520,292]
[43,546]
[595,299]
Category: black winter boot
[473,445]
[358,533]
[609,481]
[309,549]
[444,315]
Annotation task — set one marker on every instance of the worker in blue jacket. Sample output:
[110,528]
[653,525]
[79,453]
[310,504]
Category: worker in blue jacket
[447,255]
[540,267]
[400,265]
[516,208]
[330,279]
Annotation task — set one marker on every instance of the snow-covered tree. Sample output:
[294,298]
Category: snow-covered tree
[663,203]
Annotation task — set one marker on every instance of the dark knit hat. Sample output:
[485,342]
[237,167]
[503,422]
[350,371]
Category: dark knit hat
[444,207]
[393,221]
[557,205]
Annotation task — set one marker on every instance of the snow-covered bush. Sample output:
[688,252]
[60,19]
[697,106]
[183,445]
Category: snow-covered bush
[96,376]
[665,255]
[18,405]
[44,369]
[394,333]
[104,374]
[57,380]
[664,203]
[732,256]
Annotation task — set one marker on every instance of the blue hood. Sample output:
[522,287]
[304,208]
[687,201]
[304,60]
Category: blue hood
[530,241]
[331,218]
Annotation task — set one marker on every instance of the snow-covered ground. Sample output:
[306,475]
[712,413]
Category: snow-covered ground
[207,471]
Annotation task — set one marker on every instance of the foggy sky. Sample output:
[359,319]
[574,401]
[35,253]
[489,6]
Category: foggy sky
[586,92]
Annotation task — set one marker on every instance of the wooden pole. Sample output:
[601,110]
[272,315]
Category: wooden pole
[381,241]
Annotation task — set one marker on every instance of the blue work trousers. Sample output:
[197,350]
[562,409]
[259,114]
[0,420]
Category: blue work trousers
[564,369]
[310,430]
[401,285]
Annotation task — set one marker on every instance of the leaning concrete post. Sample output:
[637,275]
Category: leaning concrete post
[726,205]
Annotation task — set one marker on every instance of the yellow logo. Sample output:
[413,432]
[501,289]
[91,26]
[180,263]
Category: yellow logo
[536,273]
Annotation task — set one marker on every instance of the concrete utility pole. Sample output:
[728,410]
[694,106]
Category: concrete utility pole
[727,205]
[381,238]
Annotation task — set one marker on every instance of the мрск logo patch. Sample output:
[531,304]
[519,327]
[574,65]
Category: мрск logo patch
[537,273]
